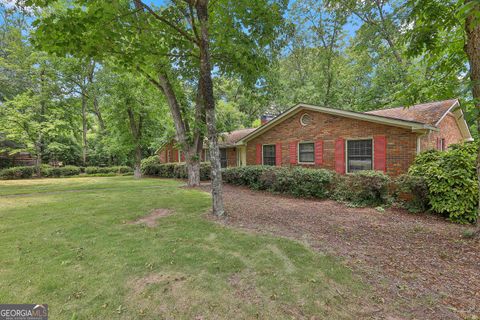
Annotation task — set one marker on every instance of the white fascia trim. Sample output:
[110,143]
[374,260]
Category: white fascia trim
[453,106]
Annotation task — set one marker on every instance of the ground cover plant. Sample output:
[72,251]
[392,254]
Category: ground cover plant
[70,243]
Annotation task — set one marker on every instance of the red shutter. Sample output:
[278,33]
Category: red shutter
[278,154]
[293,152]
[438,144]
[319,152]
[175,155]
[380,153]
[259,154]
[340,156]
[182,157]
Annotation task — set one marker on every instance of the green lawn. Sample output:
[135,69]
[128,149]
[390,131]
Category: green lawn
[66,242]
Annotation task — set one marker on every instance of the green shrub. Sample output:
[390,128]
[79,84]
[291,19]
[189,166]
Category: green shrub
[416,190]
[154,168]
[17,173]
[362,188]
[91,170]
[452,181]
[108,170]
[149,163]
[247,176]
[53,172]
[299,182]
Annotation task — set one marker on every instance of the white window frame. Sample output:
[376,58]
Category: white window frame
[442,144]
[346,152]
[275,148]
[180,156]
[298,152]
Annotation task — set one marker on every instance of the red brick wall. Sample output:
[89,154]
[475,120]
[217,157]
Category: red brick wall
[401,143]
[231,157]
[449,131]
[163,152]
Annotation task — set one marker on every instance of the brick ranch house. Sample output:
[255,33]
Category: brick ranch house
[341,140]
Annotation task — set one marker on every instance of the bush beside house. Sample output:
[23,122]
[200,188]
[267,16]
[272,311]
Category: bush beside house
[451,180]
[299,182]
[152,167]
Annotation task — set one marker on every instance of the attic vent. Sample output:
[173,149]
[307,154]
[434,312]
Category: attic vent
[306,119]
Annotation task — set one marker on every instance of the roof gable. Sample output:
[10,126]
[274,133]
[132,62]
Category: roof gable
[407,124]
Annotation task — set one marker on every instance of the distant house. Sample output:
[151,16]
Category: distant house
[16,159]
[341,140]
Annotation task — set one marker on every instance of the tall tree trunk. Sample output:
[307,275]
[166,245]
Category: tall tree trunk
[191,149]
[136,130]
[472,49]
[206,89]
[39,154]
[39,146]
[137,172]
[96,108]
[84,128]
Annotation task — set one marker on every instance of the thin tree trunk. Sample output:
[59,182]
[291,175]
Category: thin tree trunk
[84,128]
[136,130]
[38,160]
[472,49]
[206,89]
[137,172]
[191,148]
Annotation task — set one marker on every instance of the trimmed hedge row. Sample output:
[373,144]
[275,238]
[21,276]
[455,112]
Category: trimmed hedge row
[360,189]
[55,172]
[172,170]
[299,182]
[17,173]
[105,170]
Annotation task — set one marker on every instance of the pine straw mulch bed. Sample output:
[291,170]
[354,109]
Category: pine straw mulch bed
[420,266]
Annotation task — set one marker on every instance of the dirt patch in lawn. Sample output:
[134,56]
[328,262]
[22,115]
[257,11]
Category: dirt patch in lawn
[151,219]
[420,266]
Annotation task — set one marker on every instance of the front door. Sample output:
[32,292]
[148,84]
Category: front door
[223,158]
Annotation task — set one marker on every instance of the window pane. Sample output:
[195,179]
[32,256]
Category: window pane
[269,155]
[306,152]
[223,158]
[359,154]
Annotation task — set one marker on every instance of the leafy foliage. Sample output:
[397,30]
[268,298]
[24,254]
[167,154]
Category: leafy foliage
[452,181]
[299,182]
[150,167]
[104,170]
[414,190]
[362,188]
[55,172]
[16,173]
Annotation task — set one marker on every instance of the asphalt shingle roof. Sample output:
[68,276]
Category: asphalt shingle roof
[428,113]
